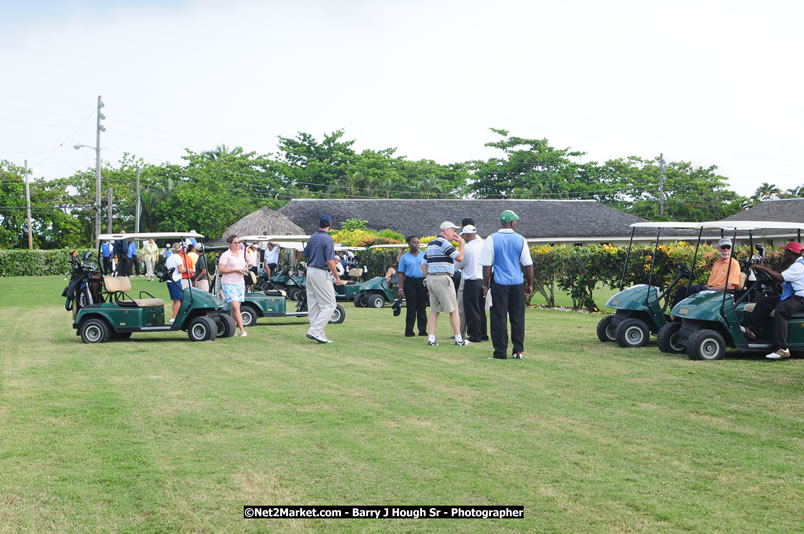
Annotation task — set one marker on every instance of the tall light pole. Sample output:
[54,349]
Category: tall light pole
[100,128]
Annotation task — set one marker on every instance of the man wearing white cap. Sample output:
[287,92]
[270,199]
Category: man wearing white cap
[438,267]
[721,271]
[470,300]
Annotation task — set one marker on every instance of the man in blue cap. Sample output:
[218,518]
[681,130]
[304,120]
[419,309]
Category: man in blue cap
[507,253]
[320,256]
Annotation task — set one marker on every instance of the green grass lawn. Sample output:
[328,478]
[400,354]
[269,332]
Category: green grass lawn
[158,434]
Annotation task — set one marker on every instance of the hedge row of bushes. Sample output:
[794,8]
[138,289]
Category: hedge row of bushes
[23,262]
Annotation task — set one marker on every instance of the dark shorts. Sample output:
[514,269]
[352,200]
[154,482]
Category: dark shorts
[176,292]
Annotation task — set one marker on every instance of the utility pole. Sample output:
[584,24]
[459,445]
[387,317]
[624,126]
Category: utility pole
[137,212]
[28,203]
[100,128]
[109,210]
[661,184]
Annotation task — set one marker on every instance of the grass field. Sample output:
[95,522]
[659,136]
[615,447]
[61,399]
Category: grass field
[159,434]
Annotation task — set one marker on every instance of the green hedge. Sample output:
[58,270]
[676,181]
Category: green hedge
[579,270]
[24,262]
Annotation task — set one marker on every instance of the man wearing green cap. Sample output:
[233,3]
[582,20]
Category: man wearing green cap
[506,252]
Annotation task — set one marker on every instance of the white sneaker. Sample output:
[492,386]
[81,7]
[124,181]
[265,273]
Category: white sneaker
[779,354]
[172,321]
[244,334]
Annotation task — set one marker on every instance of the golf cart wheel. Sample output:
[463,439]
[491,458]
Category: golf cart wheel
[632,333]
[668,338]
[375,300]
[121,335]
[363,299]
[224,325]
[202,329]
[338,315]
[94,331]
[605,330]
[706,345]
[249,315]
[292,293]
[358,300]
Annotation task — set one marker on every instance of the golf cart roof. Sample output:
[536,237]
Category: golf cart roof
[398,245]
[668,224]
[149,235]
[341,247]
[753,225]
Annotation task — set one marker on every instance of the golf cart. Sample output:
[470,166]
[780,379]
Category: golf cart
[639,311]
[273,301]
[114,314]
[711,320]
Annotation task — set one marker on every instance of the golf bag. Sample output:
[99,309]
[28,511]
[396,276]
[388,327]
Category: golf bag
[85,284]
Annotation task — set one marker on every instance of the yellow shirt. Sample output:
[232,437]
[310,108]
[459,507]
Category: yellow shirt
[719,270]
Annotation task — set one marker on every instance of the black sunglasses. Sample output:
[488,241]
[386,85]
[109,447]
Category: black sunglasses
[726,247]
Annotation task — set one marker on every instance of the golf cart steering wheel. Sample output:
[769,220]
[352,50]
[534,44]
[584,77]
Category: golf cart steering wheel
[764,276]
[683,270]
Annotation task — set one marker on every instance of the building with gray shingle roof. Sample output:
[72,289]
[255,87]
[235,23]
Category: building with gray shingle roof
[553,221]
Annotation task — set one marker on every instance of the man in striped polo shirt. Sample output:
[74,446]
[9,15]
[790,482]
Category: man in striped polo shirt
[507,252]
[438,267]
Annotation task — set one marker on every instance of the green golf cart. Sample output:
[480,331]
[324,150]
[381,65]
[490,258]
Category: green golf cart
[273,302]
[639,310]
[711,320]
[117,315]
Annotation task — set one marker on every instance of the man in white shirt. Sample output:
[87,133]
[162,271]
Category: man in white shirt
[789,302]
[471,300]
[271,258]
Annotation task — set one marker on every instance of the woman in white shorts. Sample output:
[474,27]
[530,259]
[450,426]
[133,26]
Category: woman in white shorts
[231,268]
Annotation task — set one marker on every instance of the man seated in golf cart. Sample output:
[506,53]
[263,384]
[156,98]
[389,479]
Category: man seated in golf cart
[782,306]
[721,271]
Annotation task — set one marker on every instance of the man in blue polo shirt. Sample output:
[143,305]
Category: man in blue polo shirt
[438,267]
[411,288]
[507,252]
[106,252]
[320,256]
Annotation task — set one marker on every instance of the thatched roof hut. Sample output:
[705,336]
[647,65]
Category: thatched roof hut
[263,221]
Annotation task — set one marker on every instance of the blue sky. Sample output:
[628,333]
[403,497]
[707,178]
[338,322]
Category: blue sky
[715,83]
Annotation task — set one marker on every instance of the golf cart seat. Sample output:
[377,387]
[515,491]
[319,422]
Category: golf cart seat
[749,308]
[741,282]
[355,273]
[117,288]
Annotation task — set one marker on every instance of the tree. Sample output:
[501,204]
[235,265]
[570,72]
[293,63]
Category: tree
[530,168]
[308,164]
[766,191]
[12,204]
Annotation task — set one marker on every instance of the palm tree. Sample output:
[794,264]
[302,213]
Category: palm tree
[766,191]
[795,192]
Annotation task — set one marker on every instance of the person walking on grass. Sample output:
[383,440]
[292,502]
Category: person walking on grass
[150,254]
[438,267]
[506,252]
[411,288]
[232,268]
[320,256]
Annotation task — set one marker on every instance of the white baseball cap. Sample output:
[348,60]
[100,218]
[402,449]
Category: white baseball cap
[469,229]
[447,224]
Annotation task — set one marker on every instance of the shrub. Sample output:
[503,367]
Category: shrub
[22,262]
